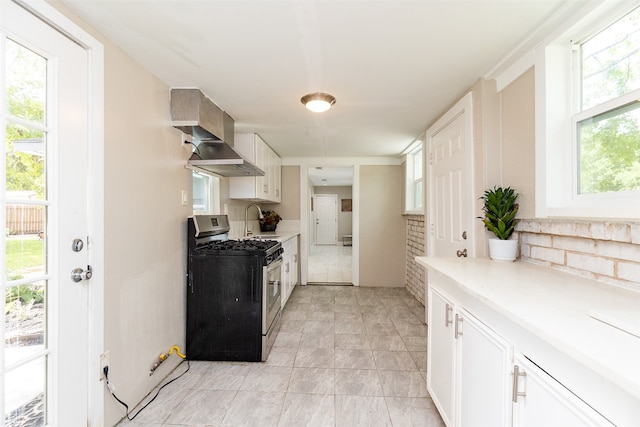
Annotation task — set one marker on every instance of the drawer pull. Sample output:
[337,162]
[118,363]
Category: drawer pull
[447,317]
[516,375]
[458,330]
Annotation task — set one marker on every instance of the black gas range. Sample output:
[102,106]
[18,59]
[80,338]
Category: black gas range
[233,293]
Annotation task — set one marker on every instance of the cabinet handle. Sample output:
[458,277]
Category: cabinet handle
[458,330]
[295,258]
[447,318]
[516,375]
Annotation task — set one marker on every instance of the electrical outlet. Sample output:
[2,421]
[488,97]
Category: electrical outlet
[104,361]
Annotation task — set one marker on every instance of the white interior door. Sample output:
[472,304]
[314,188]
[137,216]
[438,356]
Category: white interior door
[327,219]
[450,187]
[44,343]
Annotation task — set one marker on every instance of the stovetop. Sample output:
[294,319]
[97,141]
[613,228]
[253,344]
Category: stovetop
[239,247]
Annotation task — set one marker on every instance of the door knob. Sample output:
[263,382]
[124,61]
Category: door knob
[462,253]
[78,274]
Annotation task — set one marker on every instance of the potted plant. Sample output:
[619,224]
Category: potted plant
[269,220]
[500,209]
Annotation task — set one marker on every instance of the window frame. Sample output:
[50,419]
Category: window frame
[212,193]
[417,148]
[557,99]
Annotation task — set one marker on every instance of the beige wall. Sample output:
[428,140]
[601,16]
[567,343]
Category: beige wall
[382,227]
[517,111]
[145,227]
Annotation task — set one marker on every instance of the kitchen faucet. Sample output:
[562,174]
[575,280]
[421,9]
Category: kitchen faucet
[246,215]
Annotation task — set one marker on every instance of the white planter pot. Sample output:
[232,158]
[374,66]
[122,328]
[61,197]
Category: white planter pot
[503,250]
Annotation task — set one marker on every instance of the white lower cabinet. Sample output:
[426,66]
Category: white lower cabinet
[484,361]
[470,376]
[539,400]
[289,267]
[468,367]
[441,354]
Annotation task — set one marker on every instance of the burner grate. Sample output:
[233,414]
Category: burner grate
[255,247]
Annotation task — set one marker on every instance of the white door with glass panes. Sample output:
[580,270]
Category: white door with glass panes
[44,116]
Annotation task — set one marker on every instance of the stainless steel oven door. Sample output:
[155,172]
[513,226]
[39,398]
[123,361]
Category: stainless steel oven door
[271,304]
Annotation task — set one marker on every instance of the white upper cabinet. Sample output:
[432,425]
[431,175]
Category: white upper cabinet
[258,188]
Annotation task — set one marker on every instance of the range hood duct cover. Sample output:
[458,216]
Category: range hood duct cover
[213,129]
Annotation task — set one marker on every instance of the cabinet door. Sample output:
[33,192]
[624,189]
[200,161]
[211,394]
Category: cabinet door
[289,268]
[541,401]
[275,177]
[440,354]
[286,280]
[294,264]
[262,161]
[484,363]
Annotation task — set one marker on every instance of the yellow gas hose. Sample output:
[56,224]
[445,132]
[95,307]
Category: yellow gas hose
[177,349]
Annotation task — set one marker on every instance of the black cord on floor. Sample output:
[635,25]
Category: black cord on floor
[110,387]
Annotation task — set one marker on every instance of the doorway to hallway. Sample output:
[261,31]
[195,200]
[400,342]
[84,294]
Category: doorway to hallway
[330,250]
[330,264]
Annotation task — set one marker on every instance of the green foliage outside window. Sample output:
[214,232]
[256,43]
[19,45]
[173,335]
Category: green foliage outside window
[26,96]
[609,142]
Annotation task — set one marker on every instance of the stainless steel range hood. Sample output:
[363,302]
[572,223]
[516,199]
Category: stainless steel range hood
[212,130]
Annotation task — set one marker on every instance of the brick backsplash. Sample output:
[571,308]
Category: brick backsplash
[602,250]
[415,247]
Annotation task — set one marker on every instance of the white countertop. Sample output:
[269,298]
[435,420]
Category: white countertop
[559,308]
[280,236]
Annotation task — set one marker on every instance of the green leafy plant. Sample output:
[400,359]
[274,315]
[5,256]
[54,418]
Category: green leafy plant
[23,295]
[500,209]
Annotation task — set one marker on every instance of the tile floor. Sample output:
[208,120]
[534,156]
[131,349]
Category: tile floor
[345,356]
[329,264]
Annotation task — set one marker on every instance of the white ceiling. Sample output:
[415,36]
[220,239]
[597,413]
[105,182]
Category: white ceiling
[393,65]
[331,176]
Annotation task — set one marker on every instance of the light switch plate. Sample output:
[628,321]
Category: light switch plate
[185,197]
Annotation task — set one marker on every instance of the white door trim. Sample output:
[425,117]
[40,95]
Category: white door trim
[95,65]
[462,107]
[305,223]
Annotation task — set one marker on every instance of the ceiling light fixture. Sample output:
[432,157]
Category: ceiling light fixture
[318,102]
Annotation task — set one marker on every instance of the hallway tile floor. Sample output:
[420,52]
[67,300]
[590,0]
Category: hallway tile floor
[330,264]
[345,356]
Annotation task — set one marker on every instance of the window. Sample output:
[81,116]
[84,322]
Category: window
[608,118]
[206,193]
[588,96]
[414,177]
